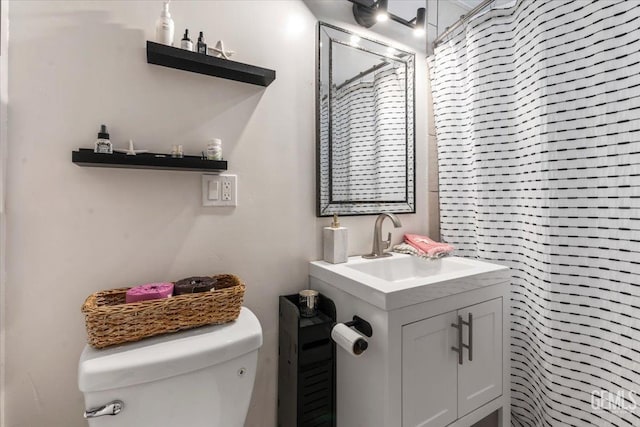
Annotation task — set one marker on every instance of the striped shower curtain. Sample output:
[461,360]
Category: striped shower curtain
[363,162]
[537,111]
[369,120]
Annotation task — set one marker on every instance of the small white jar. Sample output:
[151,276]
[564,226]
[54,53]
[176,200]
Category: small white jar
[214,149]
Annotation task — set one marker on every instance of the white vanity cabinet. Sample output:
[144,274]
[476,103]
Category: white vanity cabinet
[411,375]
[442,381]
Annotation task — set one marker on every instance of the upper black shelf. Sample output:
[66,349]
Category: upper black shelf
[182,59]
[86,157]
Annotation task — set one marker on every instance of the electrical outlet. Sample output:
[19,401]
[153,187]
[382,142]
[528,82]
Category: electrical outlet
[219,190]
[226,189]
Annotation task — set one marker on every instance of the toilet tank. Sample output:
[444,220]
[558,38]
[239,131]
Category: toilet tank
[202,377]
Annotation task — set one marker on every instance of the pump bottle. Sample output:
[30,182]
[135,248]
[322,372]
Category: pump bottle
[165,27]
[335,241]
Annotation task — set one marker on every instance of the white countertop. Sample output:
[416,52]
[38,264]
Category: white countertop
[402,280]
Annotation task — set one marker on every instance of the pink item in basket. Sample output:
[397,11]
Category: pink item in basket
[149,291]
[430,247]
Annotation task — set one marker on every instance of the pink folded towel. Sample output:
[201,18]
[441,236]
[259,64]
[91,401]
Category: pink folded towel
[430,247]
[149,291]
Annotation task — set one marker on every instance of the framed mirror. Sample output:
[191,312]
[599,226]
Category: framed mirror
[365,126]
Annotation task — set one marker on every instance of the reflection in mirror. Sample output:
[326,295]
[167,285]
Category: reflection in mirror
[365,126]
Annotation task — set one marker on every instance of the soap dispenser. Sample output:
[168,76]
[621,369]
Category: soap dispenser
[335,240]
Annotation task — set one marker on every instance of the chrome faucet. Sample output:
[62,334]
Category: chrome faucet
[379,245]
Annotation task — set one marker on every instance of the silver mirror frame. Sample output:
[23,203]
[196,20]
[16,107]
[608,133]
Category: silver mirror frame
[325,205]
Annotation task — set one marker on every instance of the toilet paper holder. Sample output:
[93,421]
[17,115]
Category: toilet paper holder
[361,326]
[351,335]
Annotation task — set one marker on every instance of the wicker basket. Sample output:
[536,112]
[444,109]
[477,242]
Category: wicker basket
[110,321]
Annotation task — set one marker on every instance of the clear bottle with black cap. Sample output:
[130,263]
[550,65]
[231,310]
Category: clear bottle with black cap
[202,46]
[103,144]
[186,42]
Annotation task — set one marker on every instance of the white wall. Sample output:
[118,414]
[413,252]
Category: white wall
[4,98]
[74,230]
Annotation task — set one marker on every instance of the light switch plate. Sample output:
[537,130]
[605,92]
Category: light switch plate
[214,190]
[219,190]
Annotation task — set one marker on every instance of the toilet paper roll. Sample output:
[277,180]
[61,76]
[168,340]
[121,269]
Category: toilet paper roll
[347,338]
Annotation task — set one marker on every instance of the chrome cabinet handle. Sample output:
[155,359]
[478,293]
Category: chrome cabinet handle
[469,346]
[460,346]
[111,408]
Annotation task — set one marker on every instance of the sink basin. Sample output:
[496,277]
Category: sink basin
[396,269]
[402,280]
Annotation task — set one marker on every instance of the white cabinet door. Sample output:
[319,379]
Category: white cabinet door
[480,379]
[429,372]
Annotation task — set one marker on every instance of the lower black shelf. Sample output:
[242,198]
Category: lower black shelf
[86,157]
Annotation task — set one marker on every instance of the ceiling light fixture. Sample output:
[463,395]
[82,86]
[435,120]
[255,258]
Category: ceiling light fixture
[381,11]
[367,13]
[364,15]
[420,26]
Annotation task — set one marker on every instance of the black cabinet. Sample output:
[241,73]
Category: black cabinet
[306,367]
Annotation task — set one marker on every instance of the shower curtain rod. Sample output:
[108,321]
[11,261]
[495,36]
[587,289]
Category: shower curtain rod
[362,74]
[461,21]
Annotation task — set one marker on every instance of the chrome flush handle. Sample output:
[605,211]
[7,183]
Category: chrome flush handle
[111,408]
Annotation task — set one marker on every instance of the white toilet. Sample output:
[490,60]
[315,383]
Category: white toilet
[197,378]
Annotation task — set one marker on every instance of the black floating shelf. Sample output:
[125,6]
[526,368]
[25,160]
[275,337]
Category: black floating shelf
[86,157]
[182,59]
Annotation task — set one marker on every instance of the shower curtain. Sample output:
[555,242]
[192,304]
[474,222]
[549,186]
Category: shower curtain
[370,118]
[537,111]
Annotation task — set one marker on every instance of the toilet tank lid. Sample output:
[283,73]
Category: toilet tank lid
[168,355]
